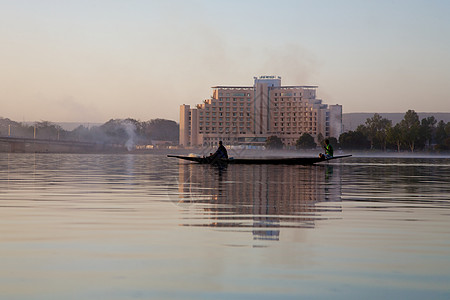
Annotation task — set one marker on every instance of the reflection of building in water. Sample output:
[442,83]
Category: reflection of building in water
[262,197]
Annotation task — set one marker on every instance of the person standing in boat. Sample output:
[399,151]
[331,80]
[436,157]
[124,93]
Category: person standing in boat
[328,149]
[221,152]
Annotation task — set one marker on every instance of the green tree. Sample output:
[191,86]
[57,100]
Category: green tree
[410,126]
[306,141]
[440,132]
[394,136]
[274,142]
[376,129]
[427,131]
[354,140]
[12,128]
[48,130]
[161,129]
[381,135]
[114,131]
[320,138]
[443,136]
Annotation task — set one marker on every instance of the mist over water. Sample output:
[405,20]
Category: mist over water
[148,226]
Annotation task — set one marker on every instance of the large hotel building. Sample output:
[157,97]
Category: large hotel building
[248,115]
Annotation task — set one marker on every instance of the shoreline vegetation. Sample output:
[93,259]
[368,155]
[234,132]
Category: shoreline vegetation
[116,135]
[376,135]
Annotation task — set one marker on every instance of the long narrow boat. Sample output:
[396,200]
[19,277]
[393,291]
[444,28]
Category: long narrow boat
[258,161]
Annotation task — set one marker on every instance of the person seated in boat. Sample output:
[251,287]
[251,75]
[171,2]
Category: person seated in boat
[221,152]
[328,149]
[210,155]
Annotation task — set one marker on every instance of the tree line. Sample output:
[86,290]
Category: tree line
[115,131]
[378,133]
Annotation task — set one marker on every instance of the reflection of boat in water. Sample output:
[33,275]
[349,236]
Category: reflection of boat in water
[259,161]
[260,198]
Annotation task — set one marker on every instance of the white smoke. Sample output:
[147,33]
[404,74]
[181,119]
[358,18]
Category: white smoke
[130,129]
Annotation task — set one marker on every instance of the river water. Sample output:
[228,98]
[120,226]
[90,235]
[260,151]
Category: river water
[152,227]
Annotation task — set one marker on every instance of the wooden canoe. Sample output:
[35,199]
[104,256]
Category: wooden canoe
[258,161]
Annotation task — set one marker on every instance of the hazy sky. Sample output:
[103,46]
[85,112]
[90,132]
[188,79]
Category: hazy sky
[91,61]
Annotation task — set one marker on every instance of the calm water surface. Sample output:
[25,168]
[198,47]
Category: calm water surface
[151,227]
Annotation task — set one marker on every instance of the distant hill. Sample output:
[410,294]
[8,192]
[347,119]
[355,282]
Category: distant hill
[351,121]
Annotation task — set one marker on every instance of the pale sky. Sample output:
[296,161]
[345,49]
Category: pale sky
[90,61]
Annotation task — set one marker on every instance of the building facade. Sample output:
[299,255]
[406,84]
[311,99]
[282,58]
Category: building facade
[248,115]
